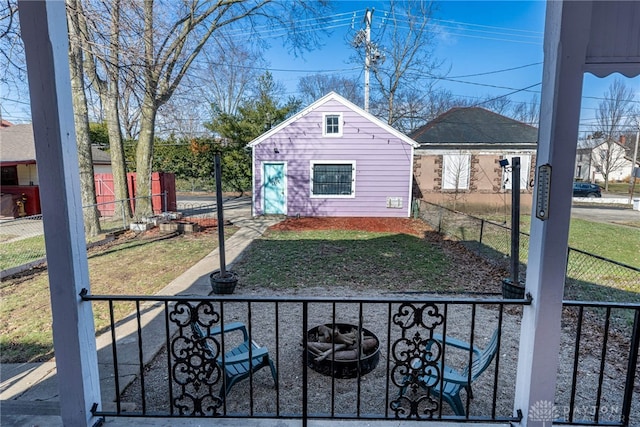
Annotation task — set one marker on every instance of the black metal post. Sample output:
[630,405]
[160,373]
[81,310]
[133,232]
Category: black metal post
[218,172]
[515,220]
[631,370]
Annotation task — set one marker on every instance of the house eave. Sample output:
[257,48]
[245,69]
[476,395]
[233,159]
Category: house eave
[494,147]
[346,103]
[17,162]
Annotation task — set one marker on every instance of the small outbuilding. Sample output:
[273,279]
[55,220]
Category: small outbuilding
[332,159]
[20,181]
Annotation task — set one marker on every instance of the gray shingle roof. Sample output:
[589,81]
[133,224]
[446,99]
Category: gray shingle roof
[18,146]
[475,127]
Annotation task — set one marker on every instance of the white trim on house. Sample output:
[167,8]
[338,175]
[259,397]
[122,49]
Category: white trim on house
[312,163]
[253,183]
[353,107]
[410,195]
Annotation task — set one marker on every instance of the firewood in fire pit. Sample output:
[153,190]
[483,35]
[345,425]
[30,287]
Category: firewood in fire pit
[342,352]
[325,334]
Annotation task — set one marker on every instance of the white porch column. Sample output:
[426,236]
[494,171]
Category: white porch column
[565,44]
[44,31]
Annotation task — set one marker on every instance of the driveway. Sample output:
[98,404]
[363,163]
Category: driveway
[614,215]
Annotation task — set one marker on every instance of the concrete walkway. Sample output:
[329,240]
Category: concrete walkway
[29,393]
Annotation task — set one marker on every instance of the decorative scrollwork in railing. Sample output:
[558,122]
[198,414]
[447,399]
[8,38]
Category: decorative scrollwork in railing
[196,377]
[416,360]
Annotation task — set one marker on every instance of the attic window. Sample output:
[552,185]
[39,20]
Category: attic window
[332,124]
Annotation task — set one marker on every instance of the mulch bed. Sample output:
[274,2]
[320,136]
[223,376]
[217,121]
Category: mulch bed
[413,227]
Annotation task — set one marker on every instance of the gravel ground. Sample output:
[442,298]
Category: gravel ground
[369,395]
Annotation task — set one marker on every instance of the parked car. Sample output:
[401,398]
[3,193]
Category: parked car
[586,189]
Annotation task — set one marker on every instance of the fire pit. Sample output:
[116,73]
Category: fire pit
[333,350]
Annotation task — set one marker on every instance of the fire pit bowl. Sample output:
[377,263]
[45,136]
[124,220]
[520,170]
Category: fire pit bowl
[347,368]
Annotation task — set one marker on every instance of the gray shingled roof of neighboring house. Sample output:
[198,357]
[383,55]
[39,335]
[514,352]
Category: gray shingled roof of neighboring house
[474,127]
[18,146]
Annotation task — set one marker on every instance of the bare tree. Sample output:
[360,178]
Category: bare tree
[315,86]
[102,67]
[499,105]
[13,73]
[404,55]
[174,36]
[615,111]
[81,121]
[232,69]
[527,112]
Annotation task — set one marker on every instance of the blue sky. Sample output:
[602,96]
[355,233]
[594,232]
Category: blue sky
[477,40]
[474,37]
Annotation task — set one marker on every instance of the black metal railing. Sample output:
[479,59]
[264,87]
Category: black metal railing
[600,384]
[172,348]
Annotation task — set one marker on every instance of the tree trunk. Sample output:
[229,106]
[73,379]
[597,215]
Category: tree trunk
[81,121]
[144,157]
[118,164]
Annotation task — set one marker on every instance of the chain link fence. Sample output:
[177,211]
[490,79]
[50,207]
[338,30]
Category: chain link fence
[493,242]
[22,239]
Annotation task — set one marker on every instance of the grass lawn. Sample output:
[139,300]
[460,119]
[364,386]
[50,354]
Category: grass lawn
[342,258]
[138,267]
[21,251]
[612,241]
[279,260]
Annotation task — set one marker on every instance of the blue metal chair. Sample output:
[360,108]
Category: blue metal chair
[452,381]
[235,363]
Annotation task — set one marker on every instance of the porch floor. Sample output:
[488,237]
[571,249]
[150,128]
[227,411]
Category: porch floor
[55,421]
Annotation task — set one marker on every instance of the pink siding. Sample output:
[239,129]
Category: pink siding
[383,165]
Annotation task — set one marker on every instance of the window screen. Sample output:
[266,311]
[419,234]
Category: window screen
[333,179]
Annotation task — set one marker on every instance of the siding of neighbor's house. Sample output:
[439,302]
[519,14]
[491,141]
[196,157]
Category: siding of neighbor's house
[383,165]
[486,177]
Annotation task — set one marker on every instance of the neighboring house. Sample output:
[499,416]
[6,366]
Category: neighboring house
[459,153]
[332,159]
[20,174]
[595,161]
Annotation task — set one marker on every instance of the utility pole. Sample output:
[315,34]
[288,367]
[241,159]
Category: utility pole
[633,164]
[367,56]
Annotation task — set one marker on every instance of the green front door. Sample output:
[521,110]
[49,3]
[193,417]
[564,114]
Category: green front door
[275,185]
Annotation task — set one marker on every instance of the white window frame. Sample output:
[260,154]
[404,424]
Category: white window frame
[325,116]
[462,163]
[312,164]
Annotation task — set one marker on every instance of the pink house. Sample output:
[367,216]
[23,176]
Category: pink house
[332,159]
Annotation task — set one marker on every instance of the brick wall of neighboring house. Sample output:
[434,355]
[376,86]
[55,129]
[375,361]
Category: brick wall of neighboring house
[494,200]
[485,181]
[426,173]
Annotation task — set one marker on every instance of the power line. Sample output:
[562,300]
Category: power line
[507,94]
[496,71]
